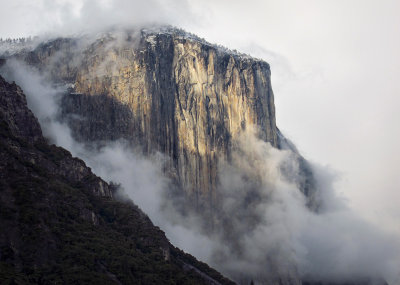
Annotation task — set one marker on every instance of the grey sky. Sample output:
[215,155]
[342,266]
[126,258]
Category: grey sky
[335,67]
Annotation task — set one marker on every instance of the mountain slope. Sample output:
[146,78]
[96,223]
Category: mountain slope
[62,224]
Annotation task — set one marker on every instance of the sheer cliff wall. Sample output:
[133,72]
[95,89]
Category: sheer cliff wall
[167,92]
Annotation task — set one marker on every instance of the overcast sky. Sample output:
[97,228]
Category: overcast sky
[335,70]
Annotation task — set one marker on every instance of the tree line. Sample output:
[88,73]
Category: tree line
[22,40]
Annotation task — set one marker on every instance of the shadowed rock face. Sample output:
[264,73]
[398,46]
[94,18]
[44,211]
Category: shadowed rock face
[173,93]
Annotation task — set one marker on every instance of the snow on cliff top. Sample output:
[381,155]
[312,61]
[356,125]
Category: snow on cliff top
[12,46]
[9,47]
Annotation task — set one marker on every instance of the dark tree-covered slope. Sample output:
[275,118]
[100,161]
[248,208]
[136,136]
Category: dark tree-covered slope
[61,224]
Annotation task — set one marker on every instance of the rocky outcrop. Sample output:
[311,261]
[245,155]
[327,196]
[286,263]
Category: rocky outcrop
[166,91]
[21,123]
[61,224]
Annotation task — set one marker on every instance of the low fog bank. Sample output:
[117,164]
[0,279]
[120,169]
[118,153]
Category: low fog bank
[263,228]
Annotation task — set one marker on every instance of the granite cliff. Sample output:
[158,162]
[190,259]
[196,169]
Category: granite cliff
[167,91]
